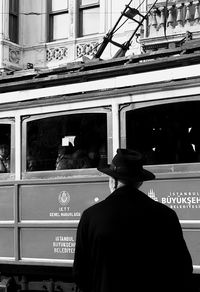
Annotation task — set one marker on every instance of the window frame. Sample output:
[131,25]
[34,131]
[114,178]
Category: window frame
[82,8]
[65,172]
[161,170]
[51,15]
[14,14]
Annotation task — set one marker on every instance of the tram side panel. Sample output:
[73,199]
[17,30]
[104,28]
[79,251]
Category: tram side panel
[7,223]
[38,223]
[49,215]
[59,202]
[48,231]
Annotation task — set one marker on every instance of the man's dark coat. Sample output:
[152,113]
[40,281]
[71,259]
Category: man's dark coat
[129,242]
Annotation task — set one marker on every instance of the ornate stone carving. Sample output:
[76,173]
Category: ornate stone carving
[14,55]
[86,49]
[56,54]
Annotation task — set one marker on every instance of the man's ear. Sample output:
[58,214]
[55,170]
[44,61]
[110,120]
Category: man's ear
[116,183]
[112,184]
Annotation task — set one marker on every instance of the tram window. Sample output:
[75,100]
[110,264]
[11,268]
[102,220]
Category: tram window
[72,141]
[165,134]
[5,134]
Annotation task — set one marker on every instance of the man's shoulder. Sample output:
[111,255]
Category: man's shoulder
[141,201]
[157,206]
[93,209]
[165,211]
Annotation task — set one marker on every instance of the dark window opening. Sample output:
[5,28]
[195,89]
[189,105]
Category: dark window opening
[165,134]
[67,142]
[5,134]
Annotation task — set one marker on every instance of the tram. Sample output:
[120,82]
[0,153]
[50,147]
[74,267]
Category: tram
[57,125]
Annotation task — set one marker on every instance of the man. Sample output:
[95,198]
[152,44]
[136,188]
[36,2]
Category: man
[129,242]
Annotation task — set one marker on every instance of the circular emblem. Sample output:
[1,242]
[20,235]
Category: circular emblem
[64,198]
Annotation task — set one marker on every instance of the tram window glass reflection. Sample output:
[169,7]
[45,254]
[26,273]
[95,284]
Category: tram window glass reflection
[165,134]
[5,134]
[72,141]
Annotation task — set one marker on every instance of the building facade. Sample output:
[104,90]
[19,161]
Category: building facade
[49,33]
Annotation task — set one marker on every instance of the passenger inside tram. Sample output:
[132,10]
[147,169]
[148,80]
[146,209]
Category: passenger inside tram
[71,158]
[5,137]
[64,159]
[4,158]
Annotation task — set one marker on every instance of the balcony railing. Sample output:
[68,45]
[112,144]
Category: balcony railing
[175,19]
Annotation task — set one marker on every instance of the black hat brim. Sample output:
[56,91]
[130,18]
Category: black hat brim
[144,174]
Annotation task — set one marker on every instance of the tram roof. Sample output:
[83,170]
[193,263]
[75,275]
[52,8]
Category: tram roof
[186,54]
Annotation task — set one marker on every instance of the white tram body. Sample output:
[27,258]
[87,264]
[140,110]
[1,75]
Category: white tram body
[149,102]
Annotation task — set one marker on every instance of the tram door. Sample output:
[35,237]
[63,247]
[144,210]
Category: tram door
[168,135]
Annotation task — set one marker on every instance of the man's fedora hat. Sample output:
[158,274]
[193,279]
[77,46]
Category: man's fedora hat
[128,165]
